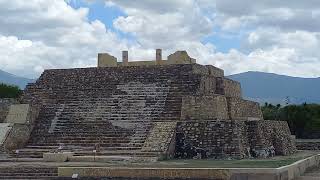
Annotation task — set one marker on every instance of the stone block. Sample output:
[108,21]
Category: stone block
[204,107]
[160,137]
[158,56]
[18,136]
[231,88]
[240,109]
[125,58]
[4,130]
[207,85]
[214,71]
[4,107]
[18,114]
[57,157]
[106,60]
[180,57]
[199,69]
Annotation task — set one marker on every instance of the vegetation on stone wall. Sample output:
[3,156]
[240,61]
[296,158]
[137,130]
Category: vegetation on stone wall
[9,91]
[303,120]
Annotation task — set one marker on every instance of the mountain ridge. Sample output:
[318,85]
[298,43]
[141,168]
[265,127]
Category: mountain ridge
[278,89]
[12,79]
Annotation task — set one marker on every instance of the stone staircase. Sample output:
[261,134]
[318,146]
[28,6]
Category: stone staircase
[28,173]
[118,124]
[80,132]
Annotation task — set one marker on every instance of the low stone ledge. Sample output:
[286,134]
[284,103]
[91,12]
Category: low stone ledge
[300,167]
[288,172]
[141,172]
[57,157]
[99,158]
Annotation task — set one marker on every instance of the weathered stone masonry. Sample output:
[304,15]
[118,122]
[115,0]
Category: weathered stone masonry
[17,126]
[175,108]
[4,107]
[237,139]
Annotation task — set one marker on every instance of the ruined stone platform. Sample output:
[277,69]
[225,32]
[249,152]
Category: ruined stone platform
[165,109]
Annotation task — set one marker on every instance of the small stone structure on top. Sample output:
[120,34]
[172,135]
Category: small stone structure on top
[179,57]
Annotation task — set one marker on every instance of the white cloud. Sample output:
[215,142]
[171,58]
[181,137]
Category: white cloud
[283,37]
[159,23]
[285,14]
[42,34]
[275,47]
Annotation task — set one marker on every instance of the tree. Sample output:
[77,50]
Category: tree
[9,91]
[303,120]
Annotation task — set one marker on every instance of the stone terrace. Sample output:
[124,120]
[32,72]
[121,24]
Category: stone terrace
[112,107]
[126,111]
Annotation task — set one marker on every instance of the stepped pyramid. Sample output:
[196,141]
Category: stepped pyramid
[171,108]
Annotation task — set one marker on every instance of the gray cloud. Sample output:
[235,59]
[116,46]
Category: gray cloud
[279,36]
[287,14]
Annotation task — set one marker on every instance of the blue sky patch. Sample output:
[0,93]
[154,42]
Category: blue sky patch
[106,14]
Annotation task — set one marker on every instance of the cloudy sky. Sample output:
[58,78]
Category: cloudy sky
[278,36]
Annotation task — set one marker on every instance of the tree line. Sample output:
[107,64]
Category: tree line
[303,120]
[9,91]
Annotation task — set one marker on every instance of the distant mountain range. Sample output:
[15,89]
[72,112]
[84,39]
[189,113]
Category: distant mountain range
[278,89]
[8,78]
[257,86]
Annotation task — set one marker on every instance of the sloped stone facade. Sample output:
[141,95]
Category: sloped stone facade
[4,107]
[160,137]
[233,139]
[150,110]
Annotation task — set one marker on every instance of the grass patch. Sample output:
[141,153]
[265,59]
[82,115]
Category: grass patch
[246,163]
[274,162]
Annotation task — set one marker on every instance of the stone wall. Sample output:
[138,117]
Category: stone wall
[288,172]
[240,109]
[204,107]
[4,107]
[231,88]
[264,135]
[308,144]
[179,57]
[211,139]
[106,60]
[21,118]
[207,85]
[4,131]
[208,70]
[22,114]
[160,138]
[236,139]
[17,137]
[58,85]
[18,114]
